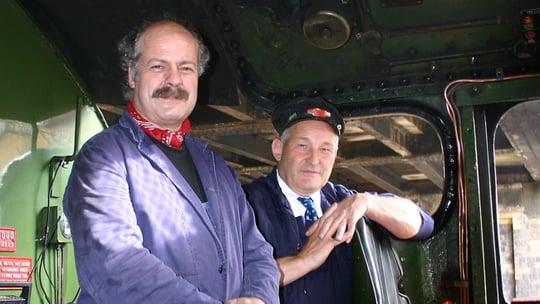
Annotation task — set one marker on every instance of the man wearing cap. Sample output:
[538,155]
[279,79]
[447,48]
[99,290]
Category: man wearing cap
[309,221]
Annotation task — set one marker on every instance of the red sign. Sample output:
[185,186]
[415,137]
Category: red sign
[8,239]
[15,269]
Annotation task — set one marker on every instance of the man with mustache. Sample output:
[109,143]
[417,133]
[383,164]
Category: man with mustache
[315,255]
[155,215]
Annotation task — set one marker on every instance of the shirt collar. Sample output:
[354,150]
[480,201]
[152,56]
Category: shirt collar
[297,208]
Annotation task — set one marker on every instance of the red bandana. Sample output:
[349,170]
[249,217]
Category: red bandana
[172,139]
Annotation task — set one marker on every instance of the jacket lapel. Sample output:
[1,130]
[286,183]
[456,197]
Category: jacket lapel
[152,152]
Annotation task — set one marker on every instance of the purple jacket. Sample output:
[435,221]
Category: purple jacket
[141,234]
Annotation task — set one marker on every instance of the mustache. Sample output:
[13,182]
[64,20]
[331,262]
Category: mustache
[170,91]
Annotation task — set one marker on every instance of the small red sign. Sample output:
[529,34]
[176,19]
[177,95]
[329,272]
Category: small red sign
[8,239]
[15,269]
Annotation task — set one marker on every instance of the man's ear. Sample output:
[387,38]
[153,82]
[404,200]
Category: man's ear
[131,79]
[277,148]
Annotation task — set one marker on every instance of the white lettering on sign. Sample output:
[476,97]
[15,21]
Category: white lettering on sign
[14,268]
[8,239]
[7,235]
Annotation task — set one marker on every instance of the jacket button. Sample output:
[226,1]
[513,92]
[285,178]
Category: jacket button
[298,247]
[220,269]
[305,292]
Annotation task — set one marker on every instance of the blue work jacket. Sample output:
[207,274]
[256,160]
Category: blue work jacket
[142,235]
[332,281]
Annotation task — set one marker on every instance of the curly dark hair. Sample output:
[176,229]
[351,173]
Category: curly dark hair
[130,50]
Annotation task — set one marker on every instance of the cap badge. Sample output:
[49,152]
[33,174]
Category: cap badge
[292,117]
[318,112]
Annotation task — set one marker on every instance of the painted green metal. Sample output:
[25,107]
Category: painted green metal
[498,91]
[273,51]
[40,101]
[477,207]
[478,121]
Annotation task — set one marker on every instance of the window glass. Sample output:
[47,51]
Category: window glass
[517,151]
[398,153]
[16,142]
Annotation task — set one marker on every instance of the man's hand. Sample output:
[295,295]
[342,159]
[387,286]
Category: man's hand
[313,254]
[317,249]
[339,221]
[398,215]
